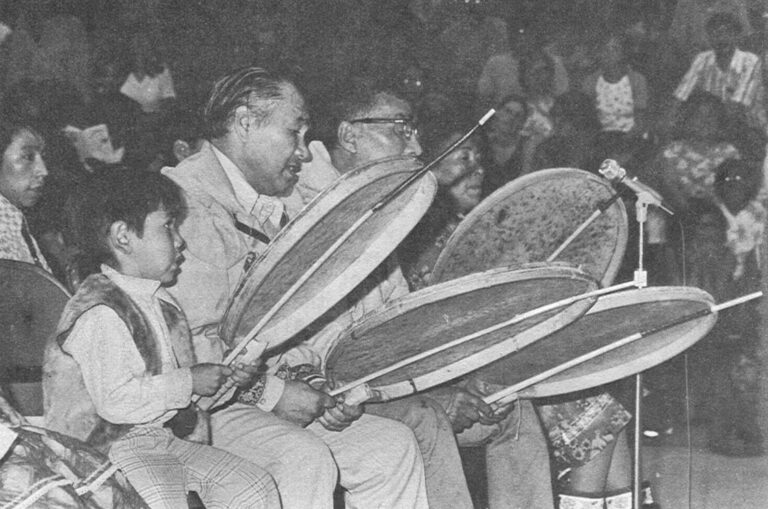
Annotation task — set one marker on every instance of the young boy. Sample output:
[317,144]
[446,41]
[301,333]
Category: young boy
[132,345]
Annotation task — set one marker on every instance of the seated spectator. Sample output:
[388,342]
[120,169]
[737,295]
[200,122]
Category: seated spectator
[685,167]
[620,93]
[572,143]
[734,429]
[46,42]
[505,144]
[500,78]
[182,134]
[732,75]
[110,107]
[537,73]
[22,176]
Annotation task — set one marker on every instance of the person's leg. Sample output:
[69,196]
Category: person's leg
[620,473]
[446,484]
[301,464]
[591,477]
[223,480]
[379,463]
[144,457]
[517,460]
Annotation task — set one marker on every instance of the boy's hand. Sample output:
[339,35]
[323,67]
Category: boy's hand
[208,377]
[301,404]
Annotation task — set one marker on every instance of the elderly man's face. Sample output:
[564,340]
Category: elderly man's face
[275,150]
[23,172]
[380,140]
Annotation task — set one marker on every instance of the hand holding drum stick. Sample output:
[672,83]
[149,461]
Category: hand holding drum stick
[239,353]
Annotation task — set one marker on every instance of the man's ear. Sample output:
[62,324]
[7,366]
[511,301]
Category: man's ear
[242,121]
[347,136]
[120,237]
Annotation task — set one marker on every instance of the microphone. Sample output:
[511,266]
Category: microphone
[611,170]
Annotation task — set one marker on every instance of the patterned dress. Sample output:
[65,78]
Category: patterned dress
[690,167]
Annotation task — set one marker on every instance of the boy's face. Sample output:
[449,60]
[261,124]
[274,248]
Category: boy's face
[157,253]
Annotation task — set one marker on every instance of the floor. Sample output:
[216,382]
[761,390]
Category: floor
[716,482]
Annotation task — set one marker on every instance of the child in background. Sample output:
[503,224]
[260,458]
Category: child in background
[132,345]
[734,429]
[620,93]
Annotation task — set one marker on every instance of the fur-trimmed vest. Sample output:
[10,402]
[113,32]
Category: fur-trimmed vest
[68,406]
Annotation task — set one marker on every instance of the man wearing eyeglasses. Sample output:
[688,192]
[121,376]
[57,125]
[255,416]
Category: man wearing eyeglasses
[368,124]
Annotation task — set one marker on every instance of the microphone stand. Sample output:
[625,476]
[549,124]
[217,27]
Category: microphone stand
[642,202]
[641,278]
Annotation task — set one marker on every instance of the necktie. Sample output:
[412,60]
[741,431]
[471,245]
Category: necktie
[30,243]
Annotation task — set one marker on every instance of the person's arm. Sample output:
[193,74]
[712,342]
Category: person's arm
[115,374]
[640,101]
[691,78]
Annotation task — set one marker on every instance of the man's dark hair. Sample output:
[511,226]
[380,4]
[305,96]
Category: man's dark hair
[255,87]
[354,102]
[122,194]
[723,19]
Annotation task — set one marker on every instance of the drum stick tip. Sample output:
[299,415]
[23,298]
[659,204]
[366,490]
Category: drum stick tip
[737,301]
[487,116]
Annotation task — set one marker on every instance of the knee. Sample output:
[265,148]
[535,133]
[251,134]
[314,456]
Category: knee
[400,448]
[305,452]
[427,419]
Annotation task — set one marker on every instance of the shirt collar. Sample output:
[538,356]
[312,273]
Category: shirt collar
[9,208]
[264,208]
[133,286]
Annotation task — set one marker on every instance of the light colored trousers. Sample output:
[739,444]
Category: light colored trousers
[376,460]
[163,468]
[446,484]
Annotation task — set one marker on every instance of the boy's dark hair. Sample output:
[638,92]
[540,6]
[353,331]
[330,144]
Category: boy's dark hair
[122,194]
[723,19]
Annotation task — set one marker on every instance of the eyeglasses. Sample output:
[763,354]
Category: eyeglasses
[402,126]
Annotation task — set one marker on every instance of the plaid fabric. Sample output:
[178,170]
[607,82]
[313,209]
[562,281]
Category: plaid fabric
[12,243]
[163,468]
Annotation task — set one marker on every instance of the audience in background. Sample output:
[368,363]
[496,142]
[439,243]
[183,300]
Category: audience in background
[682,106]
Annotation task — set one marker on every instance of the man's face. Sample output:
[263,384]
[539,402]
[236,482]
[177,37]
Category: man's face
[23,172]
[376,141]
[275,149]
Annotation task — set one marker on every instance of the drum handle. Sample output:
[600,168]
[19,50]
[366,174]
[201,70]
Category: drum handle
[419,173]
[474,335]
[511,393]
[601,207]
